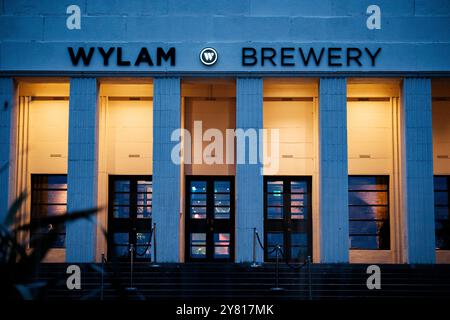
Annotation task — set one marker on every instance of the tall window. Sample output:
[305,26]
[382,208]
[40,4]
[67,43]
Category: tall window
[441,212]
[48,198]
[368,200]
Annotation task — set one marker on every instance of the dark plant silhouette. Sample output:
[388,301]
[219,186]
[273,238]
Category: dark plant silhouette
[19,264]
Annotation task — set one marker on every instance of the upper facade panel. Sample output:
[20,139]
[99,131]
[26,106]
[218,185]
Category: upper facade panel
[249,36]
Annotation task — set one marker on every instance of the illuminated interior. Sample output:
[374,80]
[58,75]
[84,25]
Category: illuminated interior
[441,160]
[42,144]
[372,128]
[125,138]
[213,102]
[290,105]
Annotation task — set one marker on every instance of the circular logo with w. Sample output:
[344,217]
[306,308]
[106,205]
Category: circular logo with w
[208,56]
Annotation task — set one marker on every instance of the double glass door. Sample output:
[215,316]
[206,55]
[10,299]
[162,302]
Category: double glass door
[129,217]
[287,217]
[209,218]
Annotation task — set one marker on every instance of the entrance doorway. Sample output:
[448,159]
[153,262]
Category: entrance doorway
[209,218]
[287,217]
[129,217]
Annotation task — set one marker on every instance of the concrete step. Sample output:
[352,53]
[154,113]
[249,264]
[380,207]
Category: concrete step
[168,281]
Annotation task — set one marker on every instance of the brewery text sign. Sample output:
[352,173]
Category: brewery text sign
[310,57]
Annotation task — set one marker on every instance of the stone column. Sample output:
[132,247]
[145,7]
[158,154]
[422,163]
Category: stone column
[82,169]
[7,143]
[417,173]
[333,171]
[166,174]
[249,178]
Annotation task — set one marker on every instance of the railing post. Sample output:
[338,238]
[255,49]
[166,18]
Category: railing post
[102,276]
[131,287]
[254,263]
[309,278]
[277,287]
[154,263]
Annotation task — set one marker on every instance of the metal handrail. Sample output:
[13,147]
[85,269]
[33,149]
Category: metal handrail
[277,280]
[149,244]
[102,276]
[309,278]
[131,287]
[133,250]
[279,252]
[154,262]
[254,263]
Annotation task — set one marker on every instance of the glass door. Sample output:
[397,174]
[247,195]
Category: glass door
[287,217]
[129,216]
[209,218]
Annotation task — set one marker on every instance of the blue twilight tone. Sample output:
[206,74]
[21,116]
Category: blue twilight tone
[85,42]
[414,35]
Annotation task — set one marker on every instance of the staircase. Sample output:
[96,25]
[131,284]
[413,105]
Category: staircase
[240,281]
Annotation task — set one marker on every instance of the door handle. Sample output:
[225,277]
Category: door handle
[210,224]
